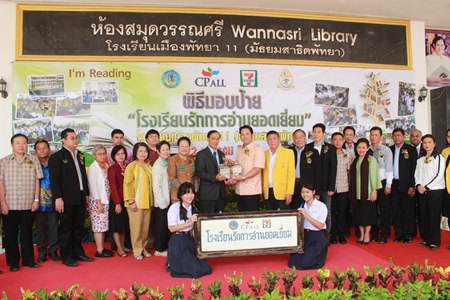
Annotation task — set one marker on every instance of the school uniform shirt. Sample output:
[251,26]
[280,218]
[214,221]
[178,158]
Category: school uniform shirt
[430,173]
[317,211]
[173,216]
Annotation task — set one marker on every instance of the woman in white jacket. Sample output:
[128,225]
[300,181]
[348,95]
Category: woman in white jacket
[161,192]
[99,199]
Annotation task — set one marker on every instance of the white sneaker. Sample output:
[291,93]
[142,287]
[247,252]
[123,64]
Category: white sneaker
[163,253]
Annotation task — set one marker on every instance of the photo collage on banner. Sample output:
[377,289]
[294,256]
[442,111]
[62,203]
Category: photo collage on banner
[189,99]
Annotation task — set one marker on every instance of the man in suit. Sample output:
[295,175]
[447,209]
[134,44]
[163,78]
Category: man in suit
[384,158]
[403,187]
[349,136]
[415,137]
[70,191]
[211,192]
[307,166]
[278,174]
[328,167]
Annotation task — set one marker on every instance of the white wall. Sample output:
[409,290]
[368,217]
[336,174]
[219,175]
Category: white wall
[8,45]
[8,25]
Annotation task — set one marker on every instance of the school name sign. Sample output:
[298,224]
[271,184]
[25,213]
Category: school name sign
[199,35]
[249,234]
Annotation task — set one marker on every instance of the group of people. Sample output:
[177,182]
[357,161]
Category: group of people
[123,190]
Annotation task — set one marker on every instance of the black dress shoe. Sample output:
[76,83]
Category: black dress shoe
[103,254]
[343,241]
[84,258]
[108,252]
[360,242]
[14,269]
[398,240]
[70,263]
[383,240]
[42,258]
[407,240]
[55,257]
[423,244]
[32,265]
[333,240]
[434,247]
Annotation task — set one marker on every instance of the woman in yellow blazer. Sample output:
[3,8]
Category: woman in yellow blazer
[279,174]
[138,198]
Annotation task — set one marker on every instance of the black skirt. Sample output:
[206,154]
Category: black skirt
[118,222]
[315,252]
[366,213]
[182,260]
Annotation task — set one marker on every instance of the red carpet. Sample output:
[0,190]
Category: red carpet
[117,272]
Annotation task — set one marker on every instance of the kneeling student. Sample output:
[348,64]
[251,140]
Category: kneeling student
[181,255]
[315,243]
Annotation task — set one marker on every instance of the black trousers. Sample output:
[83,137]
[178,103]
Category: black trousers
[339,209]
[162,233]
[385,219]
[248,203]
[46,232]
[274,204]
[13,221]
[70,231]
[212,206]
[403,212]
[430,214]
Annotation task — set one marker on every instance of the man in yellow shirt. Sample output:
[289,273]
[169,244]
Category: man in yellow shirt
[279,174]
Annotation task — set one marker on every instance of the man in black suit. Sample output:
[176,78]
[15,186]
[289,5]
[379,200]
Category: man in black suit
[415,137]
[307,167]
[328,167]
[70,191]
[349,136]
[403,187]
[211,192]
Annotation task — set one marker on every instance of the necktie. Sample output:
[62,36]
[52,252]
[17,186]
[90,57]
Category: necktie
[215,156]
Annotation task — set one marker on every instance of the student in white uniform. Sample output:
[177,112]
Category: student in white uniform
[315,240]
[181,218]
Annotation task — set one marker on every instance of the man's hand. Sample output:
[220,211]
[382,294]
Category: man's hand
[59,205]
[387,191]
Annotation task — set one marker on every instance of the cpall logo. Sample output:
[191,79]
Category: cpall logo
[286,80]
[209,79]
[170,79]
[249,78]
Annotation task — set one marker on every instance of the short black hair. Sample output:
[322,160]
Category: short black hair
[116,149]
[41,142]
[151,131]
[337,133]
[320,125]
[308,186]
[184,138]
[297,130]
[363,140]
[245,127]
[117,131]
[398,129]
[160,144]
[272,132]
[65,132]
[212,132]
[349,128]
[18,135]
[429,136]
[377,128]
[136,148]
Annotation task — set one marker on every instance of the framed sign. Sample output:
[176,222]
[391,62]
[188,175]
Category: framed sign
[254,233]
[88,33]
